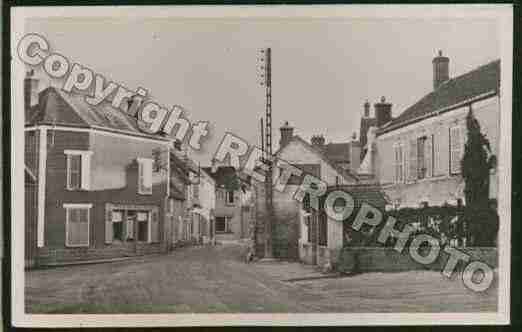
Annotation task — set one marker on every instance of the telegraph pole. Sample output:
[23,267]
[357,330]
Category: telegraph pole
[266,75]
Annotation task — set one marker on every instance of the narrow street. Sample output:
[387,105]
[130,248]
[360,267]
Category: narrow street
[216,279]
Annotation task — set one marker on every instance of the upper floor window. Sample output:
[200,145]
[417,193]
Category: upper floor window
[145,176]
[78,169]
[455,149]
[229,197]
[399,162]
[77,225]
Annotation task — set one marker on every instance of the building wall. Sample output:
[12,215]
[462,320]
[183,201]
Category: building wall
[233,211]
[441,186]
[118,154]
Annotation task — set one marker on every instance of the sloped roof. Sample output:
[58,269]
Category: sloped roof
[346,174]
[480,81]
[337,152]
[370,194]
[58,107]
[222,175]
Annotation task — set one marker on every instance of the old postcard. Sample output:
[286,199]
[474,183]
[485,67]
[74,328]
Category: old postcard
[267,165]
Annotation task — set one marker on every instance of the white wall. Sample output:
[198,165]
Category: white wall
[441,185]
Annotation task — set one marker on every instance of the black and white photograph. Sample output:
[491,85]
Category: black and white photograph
[260,165]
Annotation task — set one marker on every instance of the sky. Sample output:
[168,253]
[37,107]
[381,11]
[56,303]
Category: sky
[323,70]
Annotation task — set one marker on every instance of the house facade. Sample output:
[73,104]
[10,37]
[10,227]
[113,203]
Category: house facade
[416,156]
[299,232]
[233,212]
[98,189]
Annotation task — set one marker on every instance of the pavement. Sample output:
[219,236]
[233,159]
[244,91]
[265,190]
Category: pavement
[216,279]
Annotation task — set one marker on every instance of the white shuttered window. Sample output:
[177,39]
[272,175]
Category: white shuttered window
[78,169]
[412,159]
[455,149]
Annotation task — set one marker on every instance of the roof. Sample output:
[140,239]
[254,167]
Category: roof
[337,152]
[58,107]
[346,174]
[480,81]
[370,194]
[222,175]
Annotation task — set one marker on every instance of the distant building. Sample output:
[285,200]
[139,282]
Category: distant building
[416,156]
[234,204]
[298,232]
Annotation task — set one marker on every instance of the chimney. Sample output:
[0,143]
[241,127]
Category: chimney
[440,70]
[355,154]
[367,109]
[318,141]
[30,90]
[382,112]
[287,132]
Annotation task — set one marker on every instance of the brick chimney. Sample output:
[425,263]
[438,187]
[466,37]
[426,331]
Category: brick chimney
[383,112]
[287,132]
[440,70]
[317,141]
[30,89]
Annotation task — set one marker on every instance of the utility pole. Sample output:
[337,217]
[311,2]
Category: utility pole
[266,75]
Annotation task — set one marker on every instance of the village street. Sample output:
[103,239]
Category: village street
[216,279]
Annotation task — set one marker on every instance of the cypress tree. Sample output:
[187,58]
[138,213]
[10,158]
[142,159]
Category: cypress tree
[476,164]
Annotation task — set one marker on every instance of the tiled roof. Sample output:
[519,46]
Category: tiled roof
[61,108]
[347,175]
[480,81]
[369,194]
[222,175]
[337,152]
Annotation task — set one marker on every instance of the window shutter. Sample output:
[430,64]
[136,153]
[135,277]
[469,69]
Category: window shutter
[428,156]
[108,226]
[412,160]
[154,228]
[455,149]
[86,171]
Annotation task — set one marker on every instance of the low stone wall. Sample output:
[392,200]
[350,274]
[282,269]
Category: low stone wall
[48,255]
[366,259]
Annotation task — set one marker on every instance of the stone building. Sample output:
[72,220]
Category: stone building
[298,233]
[416,155]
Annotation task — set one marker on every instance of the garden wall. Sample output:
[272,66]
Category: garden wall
[382,259]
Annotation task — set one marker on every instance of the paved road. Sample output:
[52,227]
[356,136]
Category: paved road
[215,279]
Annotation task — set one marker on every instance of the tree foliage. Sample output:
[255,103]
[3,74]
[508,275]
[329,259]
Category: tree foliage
[476,163]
